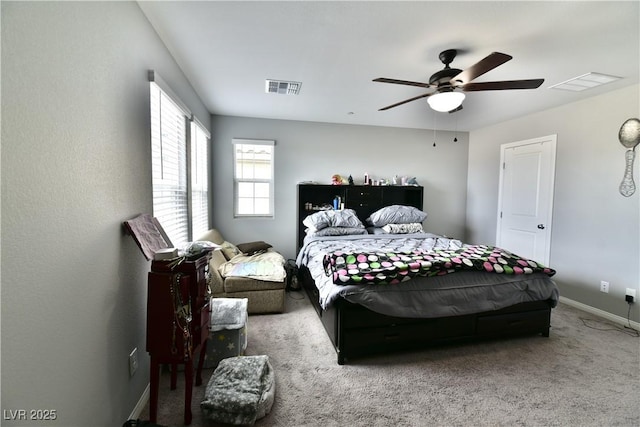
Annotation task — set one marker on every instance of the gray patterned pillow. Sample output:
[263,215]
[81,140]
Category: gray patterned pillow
[336,231]
[414,227]
[331,218]
[396,214]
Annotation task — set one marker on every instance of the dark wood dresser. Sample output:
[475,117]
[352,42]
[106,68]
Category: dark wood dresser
[178,315]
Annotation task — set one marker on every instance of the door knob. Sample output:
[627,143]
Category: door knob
[541,226]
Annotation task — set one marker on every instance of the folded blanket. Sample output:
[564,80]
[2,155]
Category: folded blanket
[235,390]
[228,313]
[395,267]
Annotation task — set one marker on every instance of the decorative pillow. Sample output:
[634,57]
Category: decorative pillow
[396,214]
[346,218]
[251,248]
[335,231]
[414,227]
[317,221]
[330,218]
[230,250]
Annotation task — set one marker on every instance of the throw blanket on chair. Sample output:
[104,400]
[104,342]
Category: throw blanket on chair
[267,266]
[395,267]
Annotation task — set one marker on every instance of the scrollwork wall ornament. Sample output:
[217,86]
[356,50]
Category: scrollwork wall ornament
[629,136]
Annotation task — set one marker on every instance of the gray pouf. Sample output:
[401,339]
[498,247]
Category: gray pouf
[240,391]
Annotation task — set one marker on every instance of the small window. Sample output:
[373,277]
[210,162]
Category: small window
[253,177]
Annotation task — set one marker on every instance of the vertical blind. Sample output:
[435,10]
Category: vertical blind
[180,166]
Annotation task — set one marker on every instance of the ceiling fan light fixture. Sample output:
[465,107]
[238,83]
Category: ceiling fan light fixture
[446,101]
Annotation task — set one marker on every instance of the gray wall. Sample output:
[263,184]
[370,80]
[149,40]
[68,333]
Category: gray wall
[595,233]
[75,164]
[308,151]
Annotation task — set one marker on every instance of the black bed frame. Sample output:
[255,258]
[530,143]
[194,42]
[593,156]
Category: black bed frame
[356,331]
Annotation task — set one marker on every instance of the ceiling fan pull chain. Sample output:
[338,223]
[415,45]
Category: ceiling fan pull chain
[455,137]
[434,129]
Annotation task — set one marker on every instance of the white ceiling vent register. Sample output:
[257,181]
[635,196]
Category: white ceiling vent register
[282,87]
[585,81]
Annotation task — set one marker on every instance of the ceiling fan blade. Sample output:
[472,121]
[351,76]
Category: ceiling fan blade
[479,68]
[503,85]
[401,82]
[405,101]
[456,109]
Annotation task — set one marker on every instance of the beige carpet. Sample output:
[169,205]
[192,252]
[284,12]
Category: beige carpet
[587,373]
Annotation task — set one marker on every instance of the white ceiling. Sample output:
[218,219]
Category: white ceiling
[228,49]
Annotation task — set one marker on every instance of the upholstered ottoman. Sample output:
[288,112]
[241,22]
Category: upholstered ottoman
[240,391]
[227,330]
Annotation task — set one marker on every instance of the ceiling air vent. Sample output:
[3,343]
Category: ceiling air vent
[282,87]
[585,81]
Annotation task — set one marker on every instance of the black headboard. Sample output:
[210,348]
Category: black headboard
[364,199]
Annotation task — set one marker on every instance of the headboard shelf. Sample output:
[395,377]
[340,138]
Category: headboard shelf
[363,199]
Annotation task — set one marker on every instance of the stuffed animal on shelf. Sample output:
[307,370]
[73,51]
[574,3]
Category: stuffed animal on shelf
[336,180]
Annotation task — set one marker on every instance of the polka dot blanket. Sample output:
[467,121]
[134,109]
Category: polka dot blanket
[348,268]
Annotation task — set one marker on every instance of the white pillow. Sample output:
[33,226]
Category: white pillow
[396,214]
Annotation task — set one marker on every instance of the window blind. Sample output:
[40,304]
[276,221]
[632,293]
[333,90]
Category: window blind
[169,165]
[199,180]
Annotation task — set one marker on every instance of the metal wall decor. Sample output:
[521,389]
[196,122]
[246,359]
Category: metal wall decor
[629,136]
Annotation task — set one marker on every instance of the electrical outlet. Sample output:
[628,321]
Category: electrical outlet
[631,293]
[133,361]
[604,286]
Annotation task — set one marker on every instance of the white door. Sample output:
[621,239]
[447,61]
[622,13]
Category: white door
[525,201]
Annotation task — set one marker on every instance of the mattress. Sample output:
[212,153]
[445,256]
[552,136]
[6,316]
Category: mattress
[459,293]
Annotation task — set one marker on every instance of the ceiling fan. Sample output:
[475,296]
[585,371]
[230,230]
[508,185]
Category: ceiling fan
[450,83]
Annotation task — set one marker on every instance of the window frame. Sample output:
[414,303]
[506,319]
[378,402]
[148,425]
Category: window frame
[238,180]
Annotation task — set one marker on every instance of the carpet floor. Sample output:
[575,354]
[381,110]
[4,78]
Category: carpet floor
[587,373]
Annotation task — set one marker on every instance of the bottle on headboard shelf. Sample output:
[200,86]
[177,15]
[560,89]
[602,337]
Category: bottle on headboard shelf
[366,178]
[337,203]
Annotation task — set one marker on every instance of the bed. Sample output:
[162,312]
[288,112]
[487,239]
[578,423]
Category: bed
[381,288]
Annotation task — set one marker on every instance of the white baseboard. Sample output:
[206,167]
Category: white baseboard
[144,399]
[601,313]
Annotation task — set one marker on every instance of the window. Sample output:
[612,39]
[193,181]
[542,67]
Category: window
[179,170]
[253,177]
[199,181]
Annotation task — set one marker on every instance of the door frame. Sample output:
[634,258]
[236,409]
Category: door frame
[552,139]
